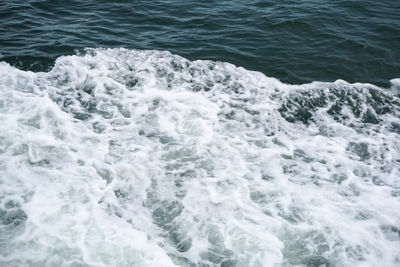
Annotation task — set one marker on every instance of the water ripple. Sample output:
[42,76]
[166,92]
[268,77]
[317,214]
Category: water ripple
[295,41]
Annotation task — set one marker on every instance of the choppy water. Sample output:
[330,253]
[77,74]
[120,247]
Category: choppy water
[125,157]
[142,158]
[294,41]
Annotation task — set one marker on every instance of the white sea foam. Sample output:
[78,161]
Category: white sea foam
[142,158]
[395,83]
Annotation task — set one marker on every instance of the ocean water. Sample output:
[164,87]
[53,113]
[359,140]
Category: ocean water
[168,133]
[294,41]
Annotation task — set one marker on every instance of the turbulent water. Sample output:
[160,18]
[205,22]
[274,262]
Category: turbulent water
[147,149]
[121,157]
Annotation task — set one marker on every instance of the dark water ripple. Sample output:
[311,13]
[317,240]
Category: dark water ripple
[295,41]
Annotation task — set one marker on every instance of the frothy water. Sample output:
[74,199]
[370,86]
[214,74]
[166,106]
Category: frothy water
[142,158]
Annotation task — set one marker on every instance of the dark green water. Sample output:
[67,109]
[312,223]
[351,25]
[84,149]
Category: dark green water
[294,41]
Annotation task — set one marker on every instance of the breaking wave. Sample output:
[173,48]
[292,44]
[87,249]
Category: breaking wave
[122,157]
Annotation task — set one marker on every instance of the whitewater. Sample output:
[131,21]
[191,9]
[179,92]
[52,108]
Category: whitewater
[121,157]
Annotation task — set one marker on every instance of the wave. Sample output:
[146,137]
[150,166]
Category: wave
[122,157]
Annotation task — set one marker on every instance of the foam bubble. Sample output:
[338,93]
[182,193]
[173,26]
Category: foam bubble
[395,82]
[142,158]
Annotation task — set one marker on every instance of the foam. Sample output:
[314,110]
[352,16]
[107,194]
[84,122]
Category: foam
[395,82]
[122,157]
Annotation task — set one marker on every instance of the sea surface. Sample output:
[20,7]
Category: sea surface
[200,133]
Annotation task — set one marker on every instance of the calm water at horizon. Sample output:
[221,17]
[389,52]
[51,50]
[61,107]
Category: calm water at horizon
[294,41]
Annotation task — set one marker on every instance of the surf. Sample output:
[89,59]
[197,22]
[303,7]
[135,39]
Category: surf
[121,157]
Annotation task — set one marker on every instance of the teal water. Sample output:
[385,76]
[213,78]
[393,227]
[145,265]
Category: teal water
[294,41]
[199,134]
